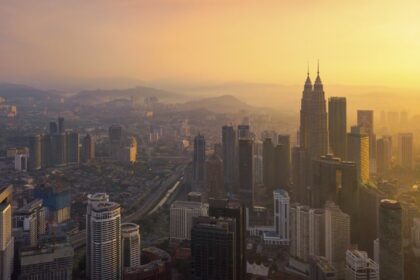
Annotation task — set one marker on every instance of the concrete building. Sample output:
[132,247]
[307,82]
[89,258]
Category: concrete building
[391,261]
[358,152]
[258,163]
[6,238]
[321,269]
[337,126]
[246,180]
[279,234]
[365,120]
[104,257]
[21,162]
[405,153]
[317,232]
[73,148]
[115,140]
[31,218]
[88,148]
[199,163]
[383,154]
[35,152]
[214,178]
[300,176]
[299,231]
[52,261]
[128,152]
[230,162]
[360,267]
[156,265]
[337,237]
[181,216]
[213,252]
[131,251]
[56,201]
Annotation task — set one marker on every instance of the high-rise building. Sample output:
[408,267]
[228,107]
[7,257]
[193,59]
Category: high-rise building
[53,129]
[230,163]
[73,149]
[282,215]
[6,238]
[59,149]
[391,262]
[49,261]
[115,140]
[337,126]
[360,267]
[366,122]
[337,237]
[258,163]
[61,127]
[128,152]
[317,232]
[88,148]
[313,119]
[199,162]
[300,176]
[284,141]
[383,154]
[181,216]
[244,132]
[222,208]
[321,269]
[214,177]
[213,253]
[246,181]
[35,152]
[31,219]
[415,233]
[46,150]
[299,231]
[405,150]
[358,152]
[269,169]
[130,245]
[104,258]
[56,201]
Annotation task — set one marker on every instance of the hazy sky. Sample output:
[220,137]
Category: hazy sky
[360,42]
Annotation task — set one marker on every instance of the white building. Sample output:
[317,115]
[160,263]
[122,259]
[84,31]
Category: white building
[360,267]
[21,162]
[181,215]
[376,250]
[280,233]
[103,230]
[131,251]
[317,232]
[337,236]
[299,233]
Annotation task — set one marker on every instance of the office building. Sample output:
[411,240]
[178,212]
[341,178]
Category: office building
[222,208]
[279,234]
[88,148]
[21,162]
[300,176]
[73,148]
[59,149]
[104,246]
[358,152]
[213,252]
[46,149]
[61,128]
[246,180]
[6,238]
[214,178]
[230,163]
[31,219]
[269,168]
[115,140]
[283,140]
[337,237]
[299,231]
[276,165]
[130,245]
[317,232]
[199,163]
[321,269]
[53,128]
[56,201]
[337,126]
[181,216]
[49,261]
[313,119]
[365,122]
[128,152]
[383,154]
[35,152]
[360,267]
[405,154]
[244,132]
[258,163]
[391,262]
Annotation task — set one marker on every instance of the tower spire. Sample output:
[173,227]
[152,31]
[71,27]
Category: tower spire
[307,72]
[318,68]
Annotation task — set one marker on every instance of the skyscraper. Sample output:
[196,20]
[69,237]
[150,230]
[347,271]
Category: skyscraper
[199,162]
[337,237]
[35,152]
[73,149]
[115,139]
[313,119]
[104,222]
[282,215]
[284,141]
[258,163]
[317,232]
[230,164]
[88,148]
[130,245]
[220,208]
[53,129]
[6,238]
[244,132]
[360,267]
[59,149]
[269,168]
[300,176]
[61,127]
[181,216]
[365,121]
[390,240]
[337,126]
[31,219]
[405,150]
[214,178]
[246,180]
[213,252]
[358,152]
[383,154]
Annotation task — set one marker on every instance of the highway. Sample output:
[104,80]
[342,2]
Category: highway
[150,203]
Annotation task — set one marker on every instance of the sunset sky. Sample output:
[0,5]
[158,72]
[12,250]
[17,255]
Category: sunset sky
[375,42]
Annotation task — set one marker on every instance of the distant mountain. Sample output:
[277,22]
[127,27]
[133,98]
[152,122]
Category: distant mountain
[13,92]
[91,97]
[219,104]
